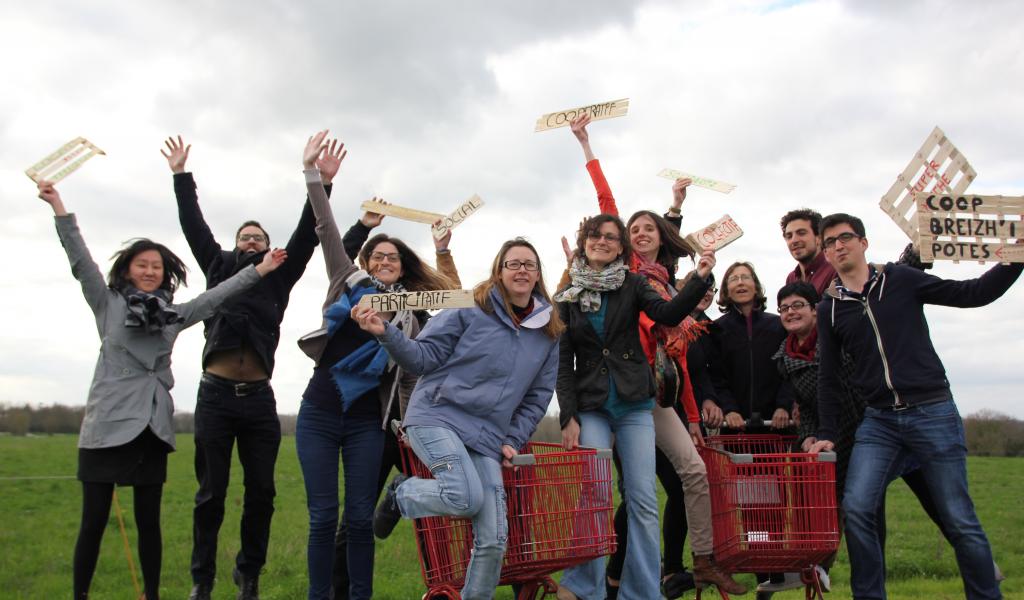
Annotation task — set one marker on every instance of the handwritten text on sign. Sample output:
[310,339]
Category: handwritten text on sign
[704,182]
[597,112]
[944,222]
[459,215]
[64,161]
[418,300]
[718,235]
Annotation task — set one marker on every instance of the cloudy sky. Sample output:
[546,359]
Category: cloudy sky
[812,103]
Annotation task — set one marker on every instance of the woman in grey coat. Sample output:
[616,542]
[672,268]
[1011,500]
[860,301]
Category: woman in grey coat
[128,429]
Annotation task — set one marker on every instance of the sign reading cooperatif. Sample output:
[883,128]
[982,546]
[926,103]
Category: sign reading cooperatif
[459,215]
[597,112]
[63,161]
[717,235]
[987,223]
[428,300]
[704,182]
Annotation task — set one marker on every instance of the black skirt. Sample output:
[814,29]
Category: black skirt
[142,461]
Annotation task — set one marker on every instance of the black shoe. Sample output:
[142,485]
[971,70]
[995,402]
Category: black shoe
[388,514]
[201,591]
[248,585]
[677,584]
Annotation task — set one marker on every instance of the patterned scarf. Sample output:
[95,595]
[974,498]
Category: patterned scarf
[151,311]
[586,284]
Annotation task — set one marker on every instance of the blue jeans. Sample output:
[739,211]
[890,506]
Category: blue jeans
[933,436]
[465,484]
[634,441]
[319,436]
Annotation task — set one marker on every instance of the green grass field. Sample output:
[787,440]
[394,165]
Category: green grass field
[39,520]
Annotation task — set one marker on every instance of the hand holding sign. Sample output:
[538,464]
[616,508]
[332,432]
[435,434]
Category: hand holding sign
[706,263]
[368,320]
[372,219]
[679,192]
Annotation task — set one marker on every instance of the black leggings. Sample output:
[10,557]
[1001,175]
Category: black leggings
[96,499]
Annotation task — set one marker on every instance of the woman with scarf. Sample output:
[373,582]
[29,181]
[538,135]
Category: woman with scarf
[657,248]
[128,428]
[353,387]
[487,376]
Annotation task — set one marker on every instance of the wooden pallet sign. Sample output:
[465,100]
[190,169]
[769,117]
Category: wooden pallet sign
[63,161]
[400,212]
[715,236]
[938,167]
[704,182]
[457,216]
[597,112]
[973,228]
[431,300]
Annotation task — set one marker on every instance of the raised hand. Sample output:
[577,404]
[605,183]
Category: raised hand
[51,196]
[706,263]
[372,219]
[441,245]
[368,320]
[271,261]
[567,249]
[330,160]
[679,192]
[315,145]
[178,154]
[578,126]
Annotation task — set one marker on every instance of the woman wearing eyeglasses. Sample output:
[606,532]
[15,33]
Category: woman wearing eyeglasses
[487,374]
[353,387]
[657,248]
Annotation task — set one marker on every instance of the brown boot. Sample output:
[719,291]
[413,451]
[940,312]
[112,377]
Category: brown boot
[706,572]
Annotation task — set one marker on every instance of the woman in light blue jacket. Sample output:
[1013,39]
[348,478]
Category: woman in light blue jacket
[128,427]
[487,376]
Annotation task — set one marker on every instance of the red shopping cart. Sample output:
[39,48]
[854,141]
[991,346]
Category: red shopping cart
[772,510]
[560,514]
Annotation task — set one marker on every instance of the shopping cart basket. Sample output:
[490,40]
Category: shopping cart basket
[772,510]
[560,514]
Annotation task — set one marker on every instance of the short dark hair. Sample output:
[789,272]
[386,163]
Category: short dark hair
[594,224]
[252,224]
[805,214]
[174,269]
[799,288]
[725,303]
[839,218]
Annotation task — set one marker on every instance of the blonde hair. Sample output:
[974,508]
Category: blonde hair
[482,291]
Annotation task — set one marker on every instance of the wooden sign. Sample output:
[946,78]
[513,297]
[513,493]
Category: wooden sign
[64,161]
[970,227]
[459,215]
[717,235]
[938,167]
[597,112]
[431,300]
[704,182]
[400,212]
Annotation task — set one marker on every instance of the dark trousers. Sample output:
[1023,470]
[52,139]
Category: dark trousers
[673,524]
[226,413]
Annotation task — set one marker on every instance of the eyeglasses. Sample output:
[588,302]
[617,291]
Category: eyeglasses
[739,278]
[515,265]
[845,238]
[608,237]
[798,305]
[255,237]
[391,257]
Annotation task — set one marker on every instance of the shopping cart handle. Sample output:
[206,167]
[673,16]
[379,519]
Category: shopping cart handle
[827,457]
[521,460]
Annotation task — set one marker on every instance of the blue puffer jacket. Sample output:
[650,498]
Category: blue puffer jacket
[481,376]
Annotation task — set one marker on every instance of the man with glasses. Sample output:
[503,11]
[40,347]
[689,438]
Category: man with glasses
[800,229]
[875,313]
[235,401]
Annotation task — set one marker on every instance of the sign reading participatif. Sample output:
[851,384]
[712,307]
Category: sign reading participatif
[64,161]
[704,182]
[945,220]
[717,235]
[400,212]
[458,216]
[597,112]
[938,167]
[432,300]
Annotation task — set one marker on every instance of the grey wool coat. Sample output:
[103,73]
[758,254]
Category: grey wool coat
[132,383]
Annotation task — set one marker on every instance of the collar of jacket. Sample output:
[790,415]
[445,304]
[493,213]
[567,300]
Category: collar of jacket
[834,291]
[537,319]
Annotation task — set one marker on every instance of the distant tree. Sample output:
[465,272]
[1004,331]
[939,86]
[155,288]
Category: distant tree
[991,433]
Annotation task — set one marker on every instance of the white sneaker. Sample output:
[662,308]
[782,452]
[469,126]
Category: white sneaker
[791,581]
[826,583]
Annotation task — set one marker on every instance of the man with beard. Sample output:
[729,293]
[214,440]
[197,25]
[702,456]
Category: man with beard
[235,400]
[800,230]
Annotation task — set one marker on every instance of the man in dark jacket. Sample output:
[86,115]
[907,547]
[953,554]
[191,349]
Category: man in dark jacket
[876,314]
[235,400]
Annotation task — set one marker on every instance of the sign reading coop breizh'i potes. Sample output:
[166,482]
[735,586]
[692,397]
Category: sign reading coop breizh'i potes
[974,228]
[597,112]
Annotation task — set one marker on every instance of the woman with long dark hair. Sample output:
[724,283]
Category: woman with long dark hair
[128,428]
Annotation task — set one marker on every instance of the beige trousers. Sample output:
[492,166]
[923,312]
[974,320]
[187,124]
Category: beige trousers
[673,438]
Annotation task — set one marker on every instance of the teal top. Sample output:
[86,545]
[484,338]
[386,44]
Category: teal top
[614,407]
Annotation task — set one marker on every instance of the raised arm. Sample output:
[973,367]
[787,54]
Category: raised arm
[197,233]
[673,311]
[605,199]
[337,262]
[205,305]
[444,260]
[83,267]
[675,210]
[968,293]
